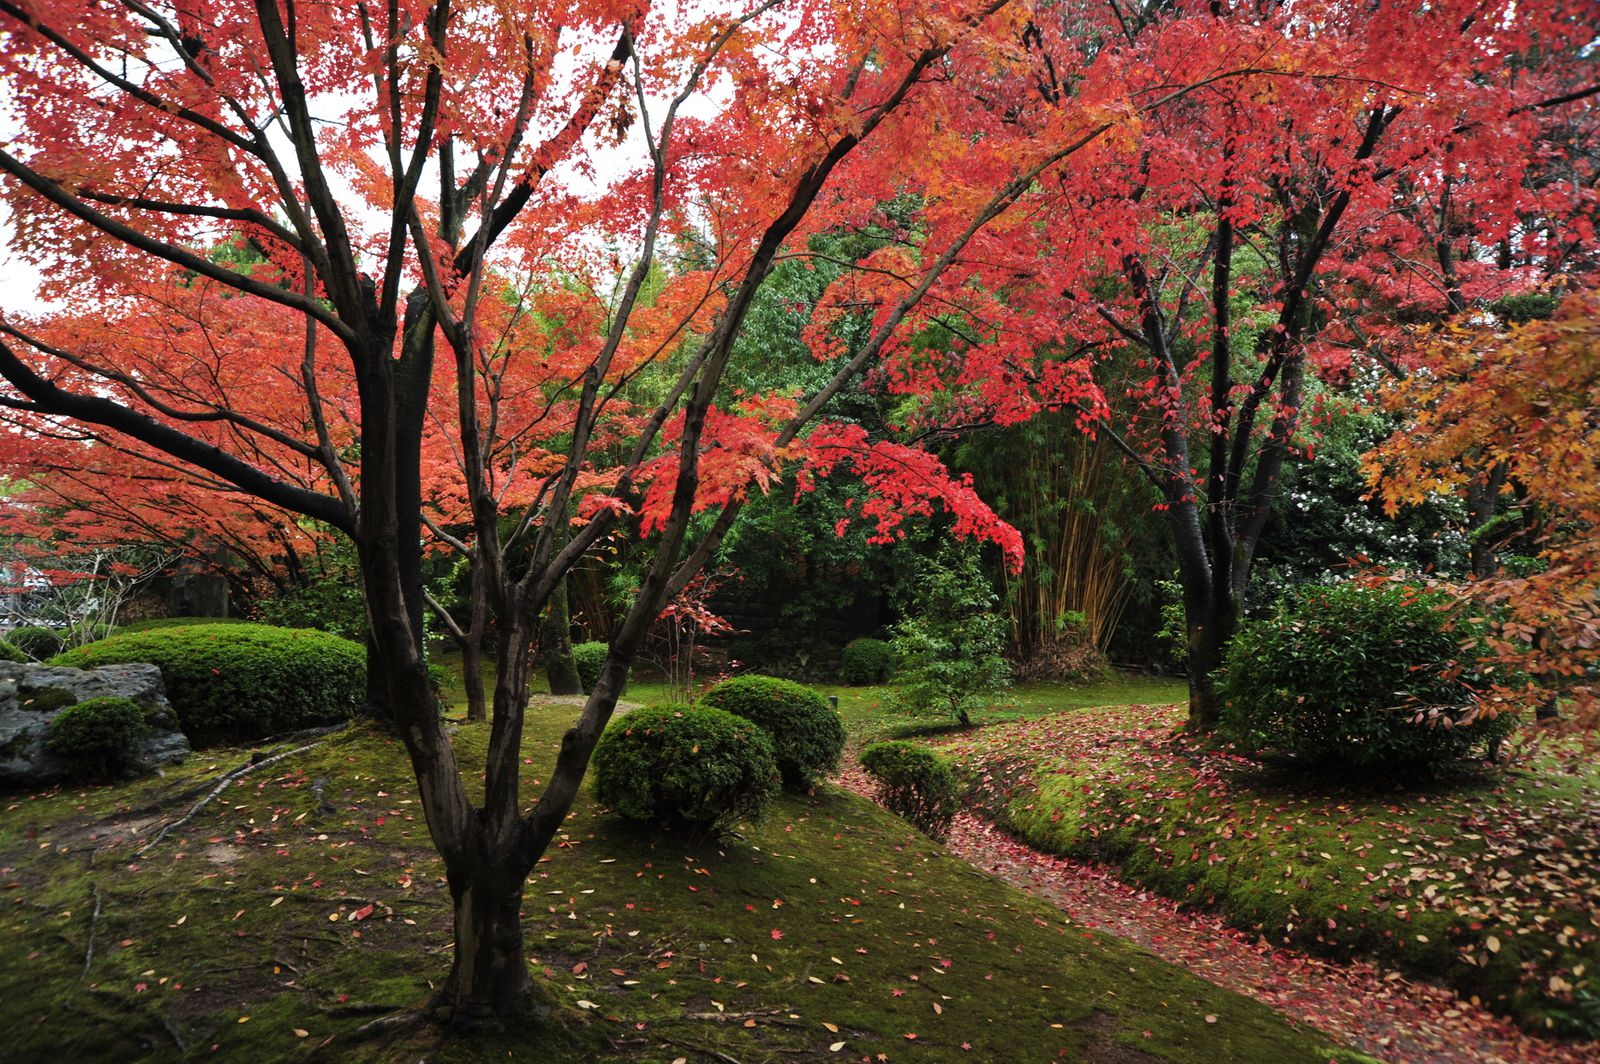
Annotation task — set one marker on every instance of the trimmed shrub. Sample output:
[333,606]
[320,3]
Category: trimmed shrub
[11,652]
[866,661]
[686,766]
[97,737]
[36,641]
[1360,675]
[237,682]
[589,657]
[154,623]
[807,735]
[915,783]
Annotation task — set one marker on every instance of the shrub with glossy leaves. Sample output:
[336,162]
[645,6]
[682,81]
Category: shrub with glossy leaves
[1365,675]
[807,735]
[915,783]
[237,682]
[866,661]
[686,766]
[36,641]
[97,738]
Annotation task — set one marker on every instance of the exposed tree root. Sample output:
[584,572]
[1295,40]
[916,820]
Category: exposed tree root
[222,785]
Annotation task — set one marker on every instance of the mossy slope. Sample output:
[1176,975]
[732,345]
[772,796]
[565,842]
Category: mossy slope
[307,899]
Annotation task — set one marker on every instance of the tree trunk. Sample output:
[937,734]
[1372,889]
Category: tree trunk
[472,678]
[1207,641]
[489,977]
[376,705]
[555,642]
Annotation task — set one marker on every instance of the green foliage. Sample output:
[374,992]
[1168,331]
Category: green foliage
[867,661]
[237,682]
[590,658]
[1326,515]
[807,735]
[1357,674]
[329,603]
[915,783]
[689,766]
[1174,630]
[36,641]
[949,647]
[97,737]
[1524,307]
[11,652]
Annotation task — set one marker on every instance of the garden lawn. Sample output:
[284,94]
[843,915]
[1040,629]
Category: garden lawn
[1488,882]
[306,903]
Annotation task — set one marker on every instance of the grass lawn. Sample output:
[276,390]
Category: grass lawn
[306,902]
[1488,882]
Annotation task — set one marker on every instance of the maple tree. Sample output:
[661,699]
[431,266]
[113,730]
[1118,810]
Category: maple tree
[392,353]
[1239,242]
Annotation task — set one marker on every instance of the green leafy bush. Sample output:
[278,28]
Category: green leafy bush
[688,766]
[915,783]
[11,652]
[589,657]
[949,648]
[1357,674]
[237,682]
[867,661]
[807,735]
[36,641]
[97,737]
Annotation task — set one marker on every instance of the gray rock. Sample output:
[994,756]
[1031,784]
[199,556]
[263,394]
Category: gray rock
[31,696]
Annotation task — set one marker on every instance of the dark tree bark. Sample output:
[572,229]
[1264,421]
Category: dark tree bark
[555,641]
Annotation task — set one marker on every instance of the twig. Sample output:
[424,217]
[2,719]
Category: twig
[94,925]
[236,774]
[383,1023]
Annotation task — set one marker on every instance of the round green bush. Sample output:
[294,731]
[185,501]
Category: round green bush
[867,661]
[97,737]
[12,652]
[589,657]
[237,682]
[36,641]
[915,783]
[687,766]
[807,735]
[1358,675]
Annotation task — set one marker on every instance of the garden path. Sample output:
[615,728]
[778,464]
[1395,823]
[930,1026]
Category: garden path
[1379,1012]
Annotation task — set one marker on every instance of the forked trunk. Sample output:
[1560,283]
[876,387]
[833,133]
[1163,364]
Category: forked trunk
[490,975]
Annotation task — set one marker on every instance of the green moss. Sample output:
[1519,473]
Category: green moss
[231,919]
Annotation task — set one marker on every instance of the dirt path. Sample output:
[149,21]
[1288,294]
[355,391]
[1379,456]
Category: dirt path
[1381,1013]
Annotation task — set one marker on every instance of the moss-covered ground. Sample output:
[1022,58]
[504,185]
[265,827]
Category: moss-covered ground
[305,904]
[1487,881]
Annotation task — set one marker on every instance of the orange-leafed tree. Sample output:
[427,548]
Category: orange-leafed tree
[373,363]
[1526,399]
